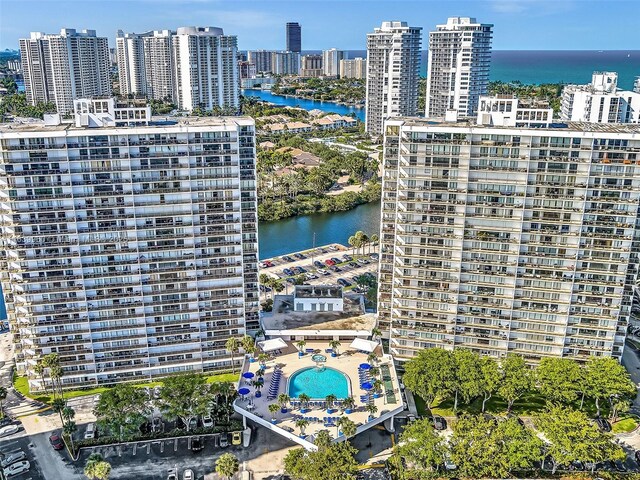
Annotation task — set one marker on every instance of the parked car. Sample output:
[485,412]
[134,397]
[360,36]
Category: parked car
[354,265]
[603,424]
[156,424]
[287,271]
[375,256]
[9,430]
[347,258]
[236,438]
[56,441]
[17,468]
[310,276]
[172,474]
[157,391]
[287,258]
[299,255]
[329,262]
[343,282]
[207,421]
[291,281]
[263,265]
[363,261]
[318,264]
[90,432]
[439,423]
[324,272]
[637,455]
[193,423]
[197,445]
[13,458]
[224,440]
[188,475]
[336,260]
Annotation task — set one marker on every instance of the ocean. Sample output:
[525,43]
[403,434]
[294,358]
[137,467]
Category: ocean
[552,66]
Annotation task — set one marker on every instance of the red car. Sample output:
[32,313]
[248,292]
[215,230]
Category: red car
[56,441]
[329,262]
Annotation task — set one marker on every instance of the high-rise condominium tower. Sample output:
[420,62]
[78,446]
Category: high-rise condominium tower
[393,72]
[131,64]
[59,68]
[458,67]
[206,69]
[354,68]
[262,59]
[294,37]
[331,62]
[520,237]
[130,251]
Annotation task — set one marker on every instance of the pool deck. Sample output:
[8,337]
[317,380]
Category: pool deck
[347,362]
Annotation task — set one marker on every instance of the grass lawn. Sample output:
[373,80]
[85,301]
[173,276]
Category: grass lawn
[625,425]
[22,385]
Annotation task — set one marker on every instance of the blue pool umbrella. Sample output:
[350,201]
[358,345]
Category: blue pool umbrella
[367,386]
[248,374]
[244,391]
[365,366]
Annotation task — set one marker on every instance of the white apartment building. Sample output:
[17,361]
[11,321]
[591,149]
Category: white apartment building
[262,59]
[331,62]
[601,101]
[458,67]
[60,68]
[636,85]
[354,68]
[311,66]
[130,251]
[285,63]
[505,238]
[206,69]
[393,73]
[131,64]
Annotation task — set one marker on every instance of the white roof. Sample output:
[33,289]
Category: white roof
[364,345]
[272,344]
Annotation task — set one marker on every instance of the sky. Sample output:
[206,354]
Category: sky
[343,24]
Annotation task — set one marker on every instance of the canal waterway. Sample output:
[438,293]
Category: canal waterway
[287,101]
[297,233]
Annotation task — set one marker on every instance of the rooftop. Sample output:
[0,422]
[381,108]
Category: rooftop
[318,291]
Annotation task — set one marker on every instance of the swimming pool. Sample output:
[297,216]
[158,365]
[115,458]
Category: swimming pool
[318,383]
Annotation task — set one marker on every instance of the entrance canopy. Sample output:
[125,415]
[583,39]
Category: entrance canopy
[272,344]
[364,345]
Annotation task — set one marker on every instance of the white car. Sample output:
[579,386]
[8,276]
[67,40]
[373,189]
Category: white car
[17,468]
[8,430]
[13,458]
[207,421]
[188,475]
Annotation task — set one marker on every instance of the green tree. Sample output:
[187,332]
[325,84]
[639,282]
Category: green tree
[323,439]
[606,378]
[248,345]
[559,379]
[486,448]
[69,429]
[97,468]
[301,344]
[490,378]
[332,462]
[301,423]
[273,409]
[227,465]
[3,397]
[430,374]
[517,379]
[185,396]
[233,346]
[334,344]
[122,409]
[283,400]
[422,447]
[572,436]
[58,405]
[347,426]
[468,378]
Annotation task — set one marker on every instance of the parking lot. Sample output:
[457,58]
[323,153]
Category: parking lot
[323,265]
[20,442]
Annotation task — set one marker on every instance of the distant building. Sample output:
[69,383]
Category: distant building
[636,85]
[509,111]
[261,59]
[131,63]
[246,70]
[294,37]
[601,101]
[60,68]
[458,67]
[160,65]
[206,68]
[15,66]
[311,66]
[354,68]
[285,63]
[331,62]
[393,73]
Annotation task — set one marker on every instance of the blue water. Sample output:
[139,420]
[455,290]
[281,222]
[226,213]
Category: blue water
[318,383]
[3,310]
[303,103]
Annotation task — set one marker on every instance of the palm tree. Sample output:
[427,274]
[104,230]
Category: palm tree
[374,239]
[334,344]
[347,426]
[97,468]
[376,333]
[348,403]
[259,333]
[39,369]
[248,345]
[262,360]
[377,385]
[372,409]
[58,405]
[232,346]
[3,397]
[374,372]
[301,344]
[283,399]
[69,428]
[301,423]
[330,399]
[304,399]
[273,409]
[353,243]
[372,358]
[227,465]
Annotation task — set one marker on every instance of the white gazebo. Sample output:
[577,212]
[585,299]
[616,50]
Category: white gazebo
[364,345]
[272,344]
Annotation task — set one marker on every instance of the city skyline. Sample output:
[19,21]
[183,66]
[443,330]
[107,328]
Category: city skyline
[261,25]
